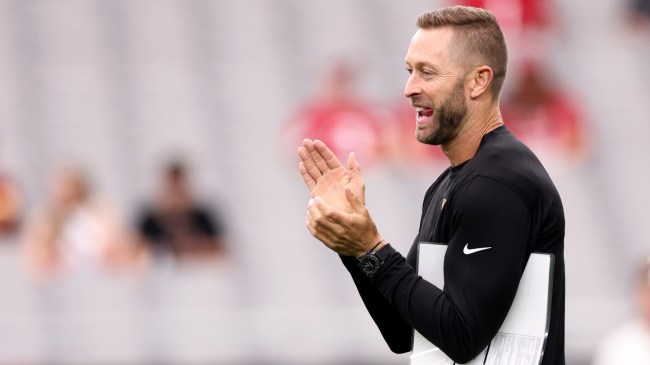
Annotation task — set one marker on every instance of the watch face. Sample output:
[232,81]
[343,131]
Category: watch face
[369,265]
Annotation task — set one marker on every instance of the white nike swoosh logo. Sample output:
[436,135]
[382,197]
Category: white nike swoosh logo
[469,251]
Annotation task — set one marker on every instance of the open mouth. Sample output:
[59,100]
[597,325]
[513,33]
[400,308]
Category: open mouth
[423,114]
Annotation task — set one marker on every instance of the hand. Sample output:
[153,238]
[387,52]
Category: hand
[347,233]
[326,177]
[336,215]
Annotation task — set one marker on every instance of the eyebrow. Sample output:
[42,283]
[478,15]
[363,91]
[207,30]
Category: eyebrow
[422,64]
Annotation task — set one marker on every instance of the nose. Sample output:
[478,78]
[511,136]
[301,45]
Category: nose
[412,87]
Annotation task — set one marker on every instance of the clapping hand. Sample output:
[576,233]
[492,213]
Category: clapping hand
[336,215]
[326,177]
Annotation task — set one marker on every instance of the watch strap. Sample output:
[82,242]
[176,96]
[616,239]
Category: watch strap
[371,262]
[372,249]
[384,252]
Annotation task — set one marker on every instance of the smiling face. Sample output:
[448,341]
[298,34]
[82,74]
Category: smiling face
[435,86]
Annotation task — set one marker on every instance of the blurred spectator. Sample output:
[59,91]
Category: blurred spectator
[639,14]
[176,223]
[545,117]
[516,15]
[630,343]
[538,111]
[75,231]
[9,207]
[340,118]
[531,27]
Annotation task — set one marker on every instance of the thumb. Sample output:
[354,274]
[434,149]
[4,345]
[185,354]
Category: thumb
[353,166]
[353,199]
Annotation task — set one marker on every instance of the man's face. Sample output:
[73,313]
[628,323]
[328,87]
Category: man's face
[435,87]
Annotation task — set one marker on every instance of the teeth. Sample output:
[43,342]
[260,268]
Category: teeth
[419,109]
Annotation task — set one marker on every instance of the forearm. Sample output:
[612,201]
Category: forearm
[431,311]
[461,324]
[398,300]
[395,330]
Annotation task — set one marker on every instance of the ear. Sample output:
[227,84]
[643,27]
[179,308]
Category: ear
[481,79]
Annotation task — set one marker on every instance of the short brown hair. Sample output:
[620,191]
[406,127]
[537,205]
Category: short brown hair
[477,37]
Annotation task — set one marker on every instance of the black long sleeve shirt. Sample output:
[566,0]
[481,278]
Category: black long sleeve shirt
[502,198]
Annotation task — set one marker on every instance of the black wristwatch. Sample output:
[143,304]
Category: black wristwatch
[370,262]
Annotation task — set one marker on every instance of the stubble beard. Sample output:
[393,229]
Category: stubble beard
[446,119]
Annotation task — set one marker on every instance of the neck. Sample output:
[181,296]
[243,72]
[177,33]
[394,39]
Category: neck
[477,124]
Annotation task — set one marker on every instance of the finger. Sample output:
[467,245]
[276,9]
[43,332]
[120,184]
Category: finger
[353,199]
[311,224]
[329,212]
[319,232]
[353,166]
[309,164]
[327,155]
[316,157]
[356,178]
[322,221]
[306,176]
[315,212]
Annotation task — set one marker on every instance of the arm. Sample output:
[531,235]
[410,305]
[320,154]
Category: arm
[394,329]
[479,287]
[328,182]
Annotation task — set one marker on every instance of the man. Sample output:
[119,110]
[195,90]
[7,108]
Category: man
[493,207]
[177,223]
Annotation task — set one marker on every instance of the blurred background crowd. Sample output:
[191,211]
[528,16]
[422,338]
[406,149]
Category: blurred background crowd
[151,210]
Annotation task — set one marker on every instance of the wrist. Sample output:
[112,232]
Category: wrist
[371,247]
[372,261]
[381,244]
